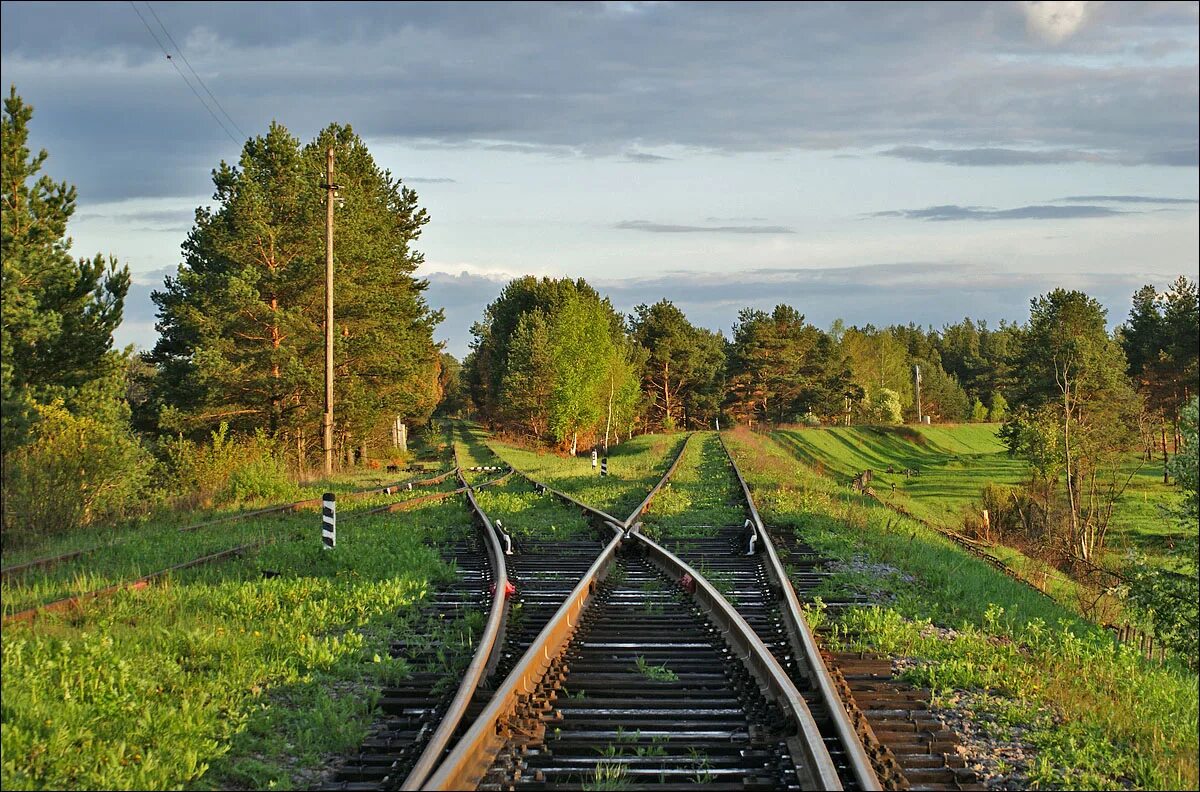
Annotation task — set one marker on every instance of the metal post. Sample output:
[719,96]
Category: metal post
[594,456]
[604,466]
[327,417]
[329,520]
[920,413]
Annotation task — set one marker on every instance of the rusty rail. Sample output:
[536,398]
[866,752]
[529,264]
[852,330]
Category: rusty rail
[484,661]
[645,504]
[806,645]
[67,602]
[388,489]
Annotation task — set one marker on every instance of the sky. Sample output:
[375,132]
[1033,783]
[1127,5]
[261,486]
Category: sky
[878,164]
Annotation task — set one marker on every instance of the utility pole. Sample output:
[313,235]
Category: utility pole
[917,375]
[327,417]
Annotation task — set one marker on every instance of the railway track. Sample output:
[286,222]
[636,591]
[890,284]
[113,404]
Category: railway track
[533,576]
[646,675]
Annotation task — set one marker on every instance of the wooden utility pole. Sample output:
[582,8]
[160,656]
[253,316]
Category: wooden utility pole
[327,417]
[917,377]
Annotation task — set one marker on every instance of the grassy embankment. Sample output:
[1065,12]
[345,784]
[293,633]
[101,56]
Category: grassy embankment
[1097,714]
[634,467]
[222,676]
[955,462]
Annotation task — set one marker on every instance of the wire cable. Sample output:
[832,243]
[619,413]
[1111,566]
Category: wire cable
[161,46]
[187,63]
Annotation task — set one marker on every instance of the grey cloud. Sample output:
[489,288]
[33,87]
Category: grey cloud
[645,158]
[991,157]
[144,220]
[422,180]
[1133,199]
[666,228]
[955,212]
[575,79]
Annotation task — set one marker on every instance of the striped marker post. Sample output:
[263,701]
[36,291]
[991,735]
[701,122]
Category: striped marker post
[329,520]
[604,466]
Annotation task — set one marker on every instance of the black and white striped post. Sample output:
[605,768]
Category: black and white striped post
[329,520]
[604,466]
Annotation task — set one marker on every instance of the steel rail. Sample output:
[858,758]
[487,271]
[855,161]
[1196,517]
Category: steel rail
[800,632]
[51,560]
[66,602]
[484,661]
[818,770]
[645,504]
[474,753]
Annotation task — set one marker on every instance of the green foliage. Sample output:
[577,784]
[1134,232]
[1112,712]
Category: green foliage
[979,413]
[1120,719]
[59,313]
[1171,597]
[74,472]
[551,357]
[242,337]
[885,408]
[219,676]
[227,469]
[998,408]
[684,372]
[781,367]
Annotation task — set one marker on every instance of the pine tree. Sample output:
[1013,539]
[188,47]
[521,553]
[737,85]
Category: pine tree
[58,313]
[242,336]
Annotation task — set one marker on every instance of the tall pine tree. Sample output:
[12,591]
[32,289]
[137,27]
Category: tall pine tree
[241,324]
[58,313]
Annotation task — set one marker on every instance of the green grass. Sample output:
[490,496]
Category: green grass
[220,676]
[525,514]
[634,467]
[956,461]
[1100,715]
[702,493]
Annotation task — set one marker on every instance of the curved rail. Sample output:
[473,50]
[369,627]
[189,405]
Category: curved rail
[801,633]
[474,753]
[484,660]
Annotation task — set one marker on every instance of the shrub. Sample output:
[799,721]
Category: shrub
[979,413]
[226,470]
[75,472]
[885,408]
[998,411]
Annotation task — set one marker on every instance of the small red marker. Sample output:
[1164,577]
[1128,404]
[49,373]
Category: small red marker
[688,583]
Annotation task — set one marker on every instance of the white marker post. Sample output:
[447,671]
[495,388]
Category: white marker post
[329,520]
[593,459]
[604,466]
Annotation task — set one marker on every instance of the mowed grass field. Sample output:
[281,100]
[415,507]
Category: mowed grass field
[953,464]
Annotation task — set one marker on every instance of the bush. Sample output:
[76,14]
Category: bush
[75,472]
[229,469]
[999,408]
[979,413]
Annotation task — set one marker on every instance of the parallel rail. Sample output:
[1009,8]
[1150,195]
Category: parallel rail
[475,752]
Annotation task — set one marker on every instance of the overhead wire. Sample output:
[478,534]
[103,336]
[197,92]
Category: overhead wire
[188,63]
[166,52]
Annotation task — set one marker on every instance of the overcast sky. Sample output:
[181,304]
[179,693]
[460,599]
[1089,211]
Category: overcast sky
[874,163]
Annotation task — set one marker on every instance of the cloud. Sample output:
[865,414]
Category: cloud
[665,228]
[423,180]
[645,158]
[991,157]
[1054,21]
[577,80]
[1132,199]
[1045,212]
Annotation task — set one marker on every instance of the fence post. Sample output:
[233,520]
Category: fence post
[604,466]
[328,520]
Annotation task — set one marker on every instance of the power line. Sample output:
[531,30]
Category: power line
[158,41]
[187,63]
